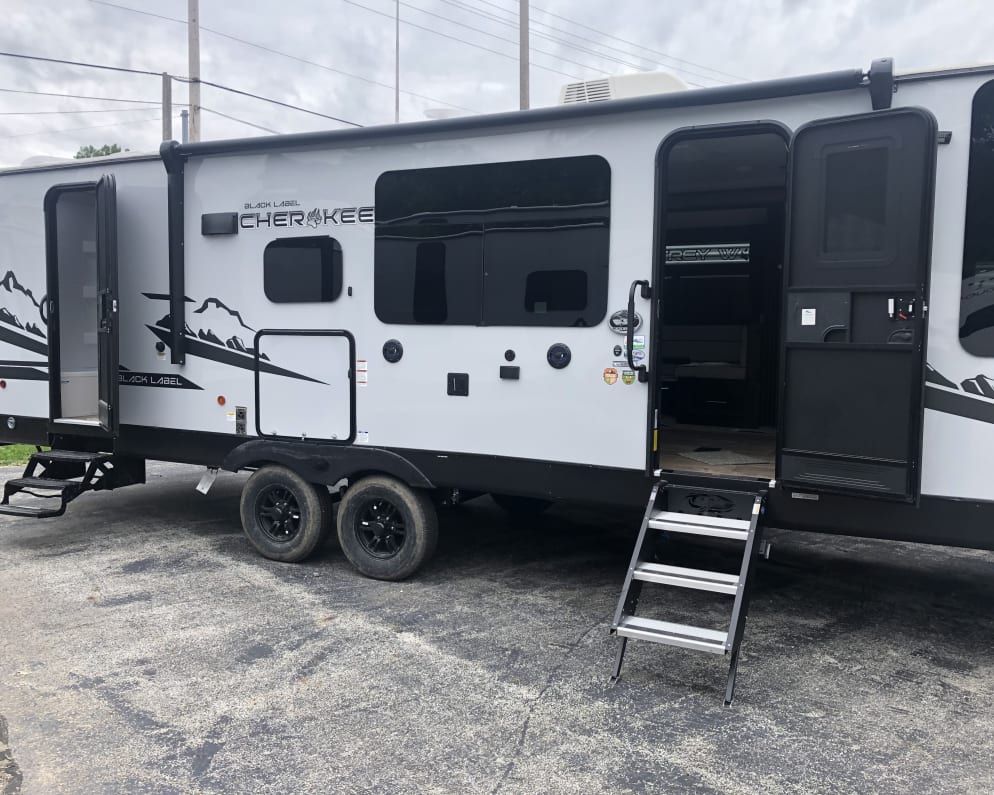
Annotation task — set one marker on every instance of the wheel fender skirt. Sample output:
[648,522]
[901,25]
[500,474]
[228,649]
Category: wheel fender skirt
[325,463]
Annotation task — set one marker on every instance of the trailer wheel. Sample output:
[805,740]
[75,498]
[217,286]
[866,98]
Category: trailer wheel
[386,529]
[283,515]
[521,506]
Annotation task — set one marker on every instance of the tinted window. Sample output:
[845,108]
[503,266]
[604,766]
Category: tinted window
[428,273]
[977,299]
[302,270]
[522,243]
[855,201]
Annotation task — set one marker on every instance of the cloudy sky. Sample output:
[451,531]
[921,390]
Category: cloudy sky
[336,56]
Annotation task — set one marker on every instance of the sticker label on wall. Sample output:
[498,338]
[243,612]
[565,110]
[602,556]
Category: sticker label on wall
[638,355]
[610,375]
[362,372]
[809,317]
[638,342]
[230,416]
[621,363]
[628,376]
[362,437]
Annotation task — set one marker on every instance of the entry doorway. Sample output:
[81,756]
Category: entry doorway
[720,267]
[82,305]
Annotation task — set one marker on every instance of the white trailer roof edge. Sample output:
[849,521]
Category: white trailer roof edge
[878,75]
[879,80]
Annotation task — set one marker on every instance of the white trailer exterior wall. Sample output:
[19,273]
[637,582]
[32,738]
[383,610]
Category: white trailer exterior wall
[568,416]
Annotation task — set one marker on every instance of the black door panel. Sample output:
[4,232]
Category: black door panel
[854,320]
[107,328]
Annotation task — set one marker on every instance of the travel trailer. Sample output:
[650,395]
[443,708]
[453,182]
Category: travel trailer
[758,305]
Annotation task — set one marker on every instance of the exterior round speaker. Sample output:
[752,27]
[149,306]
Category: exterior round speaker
[559,355]
[393,351]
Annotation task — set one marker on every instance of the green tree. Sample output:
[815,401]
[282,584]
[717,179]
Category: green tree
[92,151]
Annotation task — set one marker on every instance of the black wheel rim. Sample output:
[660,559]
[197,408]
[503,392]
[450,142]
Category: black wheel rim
[380,528]
[278,513]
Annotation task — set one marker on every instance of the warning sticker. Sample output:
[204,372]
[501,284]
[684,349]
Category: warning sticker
[361,372]
[809,317]
[638,342]
[628,376]
[610,375]
[362,437]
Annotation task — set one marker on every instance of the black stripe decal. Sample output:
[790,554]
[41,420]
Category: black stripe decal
[205,350]
[35,345]
[962,405]
[22,374]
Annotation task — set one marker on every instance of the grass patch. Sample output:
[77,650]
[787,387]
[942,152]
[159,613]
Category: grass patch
[11,454]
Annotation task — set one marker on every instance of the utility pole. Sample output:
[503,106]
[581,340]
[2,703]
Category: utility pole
[523,54]
[184,125]
[396,66]
[193,51]
[167,107]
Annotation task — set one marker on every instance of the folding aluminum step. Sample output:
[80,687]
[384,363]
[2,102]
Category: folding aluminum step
[697,579]
[699,525]
[697,638]
[644,569]
[30,510]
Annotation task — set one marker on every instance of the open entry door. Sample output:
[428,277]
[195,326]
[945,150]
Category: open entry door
[855,322]
[107,328]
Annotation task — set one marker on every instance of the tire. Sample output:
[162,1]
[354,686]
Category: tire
[283,515]
[386,529]
[521,506]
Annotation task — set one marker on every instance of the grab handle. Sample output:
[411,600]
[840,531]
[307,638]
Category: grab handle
[646,292]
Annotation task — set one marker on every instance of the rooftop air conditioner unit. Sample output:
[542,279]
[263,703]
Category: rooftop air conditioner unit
[620,87]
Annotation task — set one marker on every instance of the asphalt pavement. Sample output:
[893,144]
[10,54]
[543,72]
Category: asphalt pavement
[146,648]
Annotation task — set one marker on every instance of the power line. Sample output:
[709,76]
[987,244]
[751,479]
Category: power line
[80,63]
[270,100]
[631,43]
[546,36]
[514,41]
[77,129]
[596,42]
[187,80]
[241,121]
[81,96]
[297,58]
[69,112]
[471,44]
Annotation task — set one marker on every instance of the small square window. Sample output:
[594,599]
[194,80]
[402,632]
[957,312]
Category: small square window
[299,270]
[856,201]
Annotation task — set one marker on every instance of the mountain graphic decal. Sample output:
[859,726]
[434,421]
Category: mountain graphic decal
[972,398]
[22,322]
[217,332]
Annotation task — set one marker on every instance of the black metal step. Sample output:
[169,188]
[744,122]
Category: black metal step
[26,510]
[75,456]
[49,484]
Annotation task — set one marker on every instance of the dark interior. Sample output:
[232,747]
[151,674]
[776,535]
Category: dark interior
[718,344]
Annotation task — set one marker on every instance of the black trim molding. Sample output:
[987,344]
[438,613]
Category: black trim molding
[26,430]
